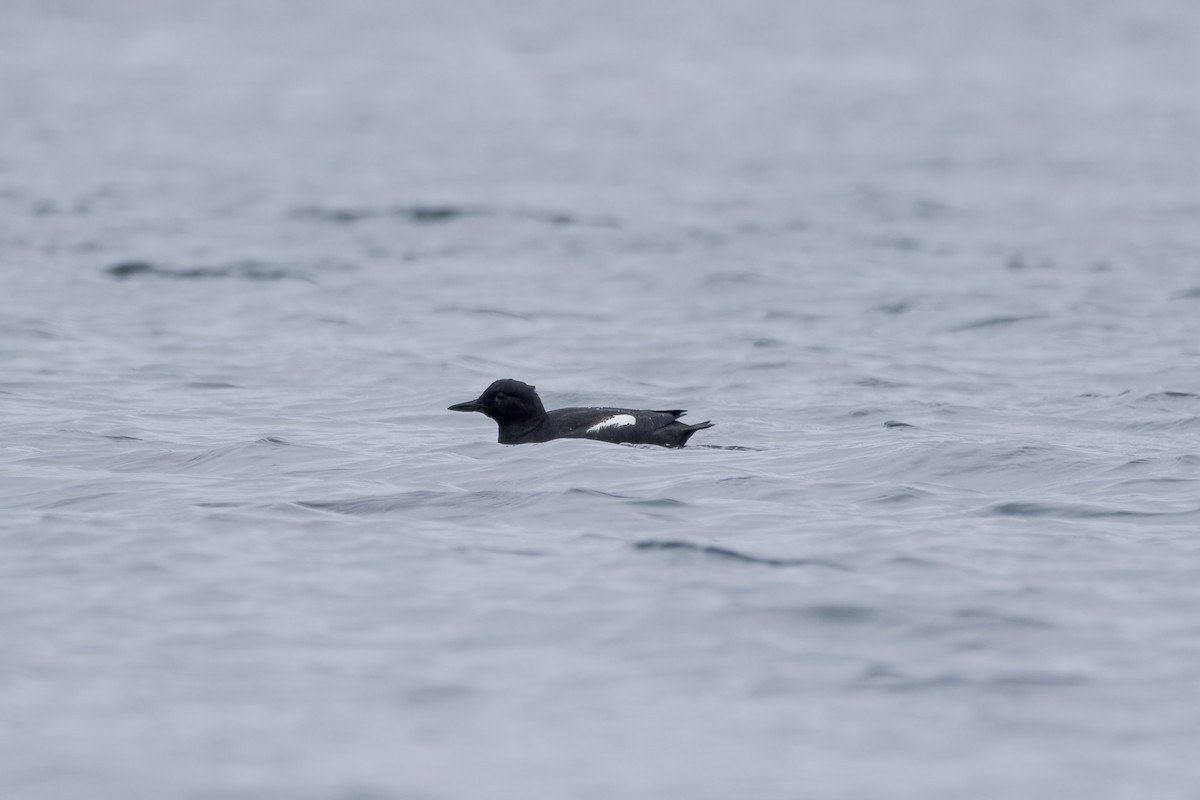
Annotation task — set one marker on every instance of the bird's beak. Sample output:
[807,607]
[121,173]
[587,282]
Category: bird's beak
[470,405]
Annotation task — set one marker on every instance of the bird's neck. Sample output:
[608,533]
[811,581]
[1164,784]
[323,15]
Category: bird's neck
[513,432]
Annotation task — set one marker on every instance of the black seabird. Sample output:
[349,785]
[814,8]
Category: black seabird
[523,419]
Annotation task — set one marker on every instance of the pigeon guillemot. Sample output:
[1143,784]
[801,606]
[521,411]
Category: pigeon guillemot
[523,419]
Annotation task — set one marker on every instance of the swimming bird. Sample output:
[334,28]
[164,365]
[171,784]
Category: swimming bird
[523,419]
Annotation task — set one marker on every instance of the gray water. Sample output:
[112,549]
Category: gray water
[932,268]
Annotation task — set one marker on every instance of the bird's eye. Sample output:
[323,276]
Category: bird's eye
[499,395]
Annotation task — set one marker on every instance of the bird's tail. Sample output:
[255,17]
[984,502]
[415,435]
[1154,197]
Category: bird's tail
[686,431]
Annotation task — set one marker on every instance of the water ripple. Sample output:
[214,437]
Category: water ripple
[733,555]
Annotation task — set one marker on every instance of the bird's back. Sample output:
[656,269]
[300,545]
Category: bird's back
[620,425]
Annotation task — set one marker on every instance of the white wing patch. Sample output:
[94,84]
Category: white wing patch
[615,421]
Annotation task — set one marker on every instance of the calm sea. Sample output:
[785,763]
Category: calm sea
[932,268]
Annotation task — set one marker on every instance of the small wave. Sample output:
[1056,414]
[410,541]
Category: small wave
[278,441]
[898,242]
[838,612]
[597,493]
[526,316]
[657,502]
[916,561]
[653,502]
[1172,395]
[483,311]
[1180,424]
[430,695]
[993,322]
[223,459]
[211,385]
[32,328]
[732,555]
[871,382]
[1074,511]
[471,502]
[1039,679]
[382,504]
[241,270]
[724,277]
[414,213]
[887,678]
[986,616]
[433,214]
[904,494]
[523,552]
[737,447]
[74,500]
[768,365]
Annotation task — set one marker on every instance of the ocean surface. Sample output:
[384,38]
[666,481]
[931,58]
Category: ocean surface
[932,268]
